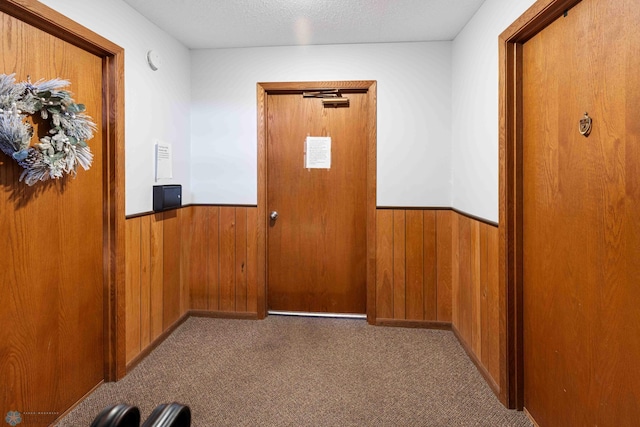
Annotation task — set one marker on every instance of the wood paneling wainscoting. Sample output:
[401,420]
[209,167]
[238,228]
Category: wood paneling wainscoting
[438,268]
[199,260]
[475,296]
[154,290]
[413,267]
[220,259]
[435,268]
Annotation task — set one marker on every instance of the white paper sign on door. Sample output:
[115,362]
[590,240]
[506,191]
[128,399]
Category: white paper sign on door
[317,152]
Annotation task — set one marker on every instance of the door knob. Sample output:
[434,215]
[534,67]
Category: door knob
[273,215]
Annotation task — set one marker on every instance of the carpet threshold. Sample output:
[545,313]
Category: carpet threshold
[316,314]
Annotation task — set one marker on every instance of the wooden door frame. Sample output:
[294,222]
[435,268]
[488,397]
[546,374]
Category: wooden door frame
[263,90]
[50,21]
[511,41]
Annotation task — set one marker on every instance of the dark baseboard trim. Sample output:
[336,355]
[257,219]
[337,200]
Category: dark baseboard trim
[483,371]
[223,314]
[156,342]
[222,205]
[415,208]
[422,324]
[477,218]
[439,208]
[406,208]
[136,215]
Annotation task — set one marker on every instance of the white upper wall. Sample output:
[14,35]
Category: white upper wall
[437,108]
[157,103]
[475,107]
[414,115]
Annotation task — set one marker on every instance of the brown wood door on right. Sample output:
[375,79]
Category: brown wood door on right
[317,246]
[581,210]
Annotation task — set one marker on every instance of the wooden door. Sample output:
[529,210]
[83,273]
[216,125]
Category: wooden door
[52,276]
[581,199]
[317,246]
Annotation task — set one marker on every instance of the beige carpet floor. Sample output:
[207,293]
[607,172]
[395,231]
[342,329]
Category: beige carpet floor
[292,371]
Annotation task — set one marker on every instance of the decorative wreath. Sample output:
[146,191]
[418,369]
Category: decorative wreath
[64,148]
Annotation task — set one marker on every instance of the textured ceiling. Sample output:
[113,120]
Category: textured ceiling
[249,23]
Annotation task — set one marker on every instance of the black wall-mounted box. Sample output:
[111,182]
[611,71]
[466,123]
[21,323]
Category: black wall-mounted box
[166,197]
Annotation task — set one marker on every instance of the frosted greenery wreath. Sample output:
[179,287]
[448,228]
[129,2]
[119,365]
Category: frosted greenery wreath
[63,148]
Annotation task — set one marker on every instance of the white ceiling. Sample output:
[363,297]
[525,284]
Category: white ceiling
[253,23]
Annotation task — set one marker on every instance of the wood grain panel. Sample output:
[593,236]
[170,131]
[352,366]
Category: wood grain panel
[408,272]
[178,270]
[407,266]
[384,264]
[213,259]
[157,275]
[458,258]
[241,260]
[475,318]
[227,259]
[186,222]
[145,281]
[476,294]
[163,286]
[464,285]
[197,257]
[171,269]
[229,239]
[132,295]
[399,264]
[482,319]
[492,329]
[434,235]
[414,262]
[455,270]
[252,260]
[183,260]
[444,264]
[430,265]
